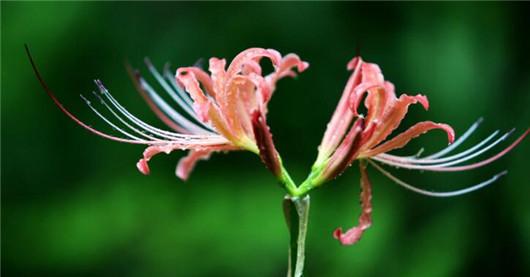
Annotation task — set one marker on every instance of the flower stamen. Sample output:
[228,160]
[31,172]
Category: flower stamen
[438,194]
[180,94]
[172,113]
[446,166]
[163,133]
[145,133]
[187,108]
[110,123]
[434,161]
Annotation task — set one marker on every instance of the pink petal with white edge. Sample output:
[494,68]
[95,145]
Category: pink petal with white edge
[153,150]
[372,81]
[393,116]
[252,54]
[413,132]
[377,101]
[187,163]
[201,103]
[217,69]
[203,78]
[284,70]
[354,234]
[239,101]
[342,117]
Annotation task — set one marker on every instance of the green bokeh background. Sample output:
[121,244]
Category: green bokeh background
[73,204]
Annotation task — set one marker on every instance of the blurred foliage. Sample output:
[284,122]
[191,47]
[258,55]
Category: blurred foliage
[73,204]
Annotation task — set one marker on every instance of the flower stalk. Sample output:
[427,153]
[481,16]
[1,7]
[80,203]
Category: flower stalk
[296,212]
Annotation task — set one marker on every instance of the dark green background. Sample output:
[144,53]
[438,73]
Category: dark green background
[73,204]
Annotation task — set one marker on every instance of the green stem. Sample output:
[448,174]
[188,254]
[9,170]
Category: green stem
[296,211]
[288,183]
[292,189]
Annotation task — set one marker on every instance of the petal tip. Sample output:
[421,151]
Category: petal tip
[351,237]
[182,174]
[423,101]
[303,66]
[353,63]
[450,133]
[143,167]
[337,233]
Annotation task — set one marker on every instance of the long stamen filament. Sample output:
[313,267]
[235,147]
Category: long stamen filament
[168,89]
[434,161]
[144,133]
[56,101]
[140,123]
[445,166]
[134,119]
[184,139]
[438,194]
[114,126]
[176,116]
[180,94]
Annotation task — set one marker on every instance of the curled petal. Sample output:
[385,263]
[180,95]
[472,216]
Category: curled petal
[372,73]
[151,151]
[217,68]
[393,116]
[354,234]
[373,82]
[263,92]
[203,106]
[413,132]
[368,132]
[252,55]
[263,137]
[203,78]
[377,101]
[251,67]
[458,142]
[187,163]
[285,69]
[143,167]
[276,56]
[201,103]
[352,64]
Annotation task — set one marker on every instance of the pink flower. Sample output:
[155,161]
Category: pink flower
[351,136]
[226,109]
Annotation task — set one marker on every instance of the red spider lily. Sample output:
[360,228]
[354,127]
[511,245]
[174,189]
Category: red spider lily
[226,110]
[350,136]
